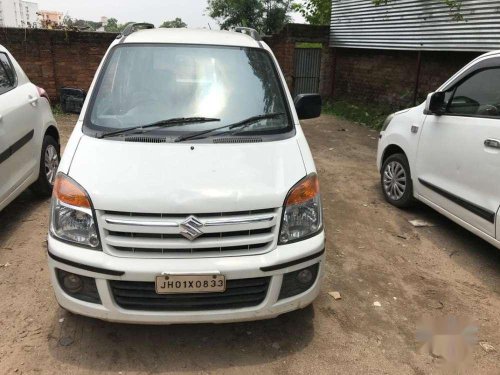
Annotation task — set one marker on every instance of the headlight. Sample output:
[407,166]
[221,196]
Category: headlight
[387,121]
[72,218]
[302,216]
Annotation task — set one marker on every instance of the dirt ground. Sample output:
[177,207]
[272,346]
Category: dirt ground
[373,255]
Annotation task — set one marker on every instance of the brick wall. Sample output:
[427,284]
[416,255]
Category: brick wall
[54,59]
[283,46]
[389,77]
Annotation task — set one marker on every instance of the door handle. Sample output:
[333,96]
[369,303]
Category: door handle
[32,100]
[492,143]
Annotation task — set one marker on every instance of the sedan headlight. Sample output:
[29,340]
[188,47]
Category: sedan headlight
[302,216]
[72,217]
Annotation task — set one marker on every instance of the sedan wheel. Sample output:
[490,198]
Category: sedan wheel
[395,180]
[51,163]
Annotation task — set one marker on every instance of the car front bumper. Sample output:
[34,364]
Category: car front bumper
[104,268]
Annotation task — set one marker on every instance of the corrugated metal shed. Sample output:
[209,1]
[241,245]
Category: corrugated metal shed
[415,25]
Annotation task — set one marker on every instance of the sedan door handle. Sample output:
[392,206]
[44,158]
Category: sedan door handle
[492,143]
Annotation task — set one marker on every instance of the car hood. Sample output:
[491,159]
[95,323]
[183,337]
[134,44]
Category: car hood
[186,178]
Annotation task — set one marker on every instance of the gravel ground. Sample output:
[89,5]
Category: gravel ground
[373,255]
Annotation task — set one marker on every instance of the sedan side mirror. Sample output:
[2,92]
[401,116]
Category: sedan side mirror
[72,99]
[434,105]
[308,106]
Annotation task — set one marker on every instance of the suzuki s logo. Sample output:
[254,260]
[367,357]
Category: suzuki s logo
[190,228]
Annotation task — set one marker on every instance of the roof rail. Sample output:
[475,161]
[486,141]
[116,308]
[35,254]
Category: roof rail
[248,31]
[133,27]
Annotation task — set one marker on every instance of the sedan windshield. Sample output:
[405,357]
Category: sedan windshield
[144,84]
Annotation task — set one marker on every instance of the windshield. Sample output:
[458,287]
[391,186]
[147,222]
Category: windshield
[143,84]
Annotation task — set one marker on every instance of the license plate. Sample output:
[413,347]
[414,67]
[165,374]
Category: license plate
[172,284]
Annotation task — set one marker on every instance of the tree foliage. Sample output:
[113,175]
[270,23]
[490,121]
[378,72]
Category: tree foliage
[79,24]
[316,12]
[112,26]
[176,23]
[266,16]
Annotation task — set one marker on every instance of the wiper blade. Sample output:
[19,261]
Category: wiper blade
[240,124]
[160,124]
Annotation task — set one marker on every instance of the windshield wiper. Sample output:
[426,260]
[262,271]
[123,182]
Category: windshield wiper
[240,124]
[160,124]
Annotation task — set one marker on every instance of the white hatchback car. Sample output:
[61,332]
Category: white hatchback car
[446,151]
[187,191]
[29,139]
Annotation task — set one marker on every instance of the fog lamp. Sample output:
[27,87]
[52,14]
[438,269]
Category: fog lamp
[305,276]
[72,283]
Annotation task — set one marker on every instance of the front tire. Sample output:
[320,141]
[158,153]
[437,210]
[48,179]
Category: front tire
[397,185]
[49,162]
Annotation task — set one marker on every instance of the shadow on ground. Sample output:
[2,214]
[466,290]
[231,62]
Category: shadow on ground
[102,346]
[19,211]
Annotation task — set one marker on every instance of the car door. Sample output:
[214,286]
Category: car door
[458,157]
[18,118]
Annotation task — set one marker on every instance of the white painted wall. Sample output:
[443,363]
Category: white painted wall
[18,13]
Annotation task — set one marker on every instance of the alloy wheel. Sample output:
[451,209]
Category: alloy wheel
[51,163]
[395,180]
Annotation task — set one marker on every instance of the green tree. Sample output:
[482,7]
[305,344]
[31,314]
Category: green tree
[266,16]
[316,12]
[112,26]
[176,23]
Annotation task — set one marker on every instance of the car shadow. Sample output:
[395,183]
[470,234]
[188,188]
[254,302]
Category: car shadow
[98,345]
[19,211]
[467,250]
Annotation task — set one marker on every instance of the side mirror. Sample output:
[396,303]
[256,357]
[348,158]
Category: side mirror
[434,105]
[72,99]
[308,106]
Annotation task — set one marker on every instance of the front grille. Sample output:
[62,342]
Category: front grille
[209,234]
[134,295]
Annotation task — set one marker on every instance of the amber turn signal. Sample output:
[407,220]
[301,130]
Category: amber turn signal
[305,190]
[68,191]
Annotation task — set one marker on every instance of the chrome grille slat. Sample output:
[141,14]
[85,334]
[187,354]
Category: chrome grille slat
[163,235]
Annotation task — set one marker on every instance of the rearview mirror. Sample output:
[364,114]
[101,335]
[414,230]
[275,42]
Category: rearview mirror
[72,99]
[308,106]
[434,105]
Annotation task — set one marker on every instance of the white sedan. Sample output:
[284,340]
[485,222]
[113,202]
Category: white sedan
[446,151]
[29,138]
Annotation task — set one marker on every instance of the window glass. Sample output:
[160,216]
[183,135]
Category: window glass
[7,76]
[479,95]
[142,84]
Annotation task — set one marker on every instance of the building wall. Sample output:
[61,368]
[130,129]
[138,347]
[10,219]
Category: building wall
[18,13]
[389,77]
[53,59]
[9,13]
[283,46]
[416,25]
[30,14]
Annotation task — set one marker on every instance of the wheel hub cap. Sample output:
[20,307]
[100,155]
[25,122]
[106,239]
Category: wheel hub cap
[394,180]
[51,163]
